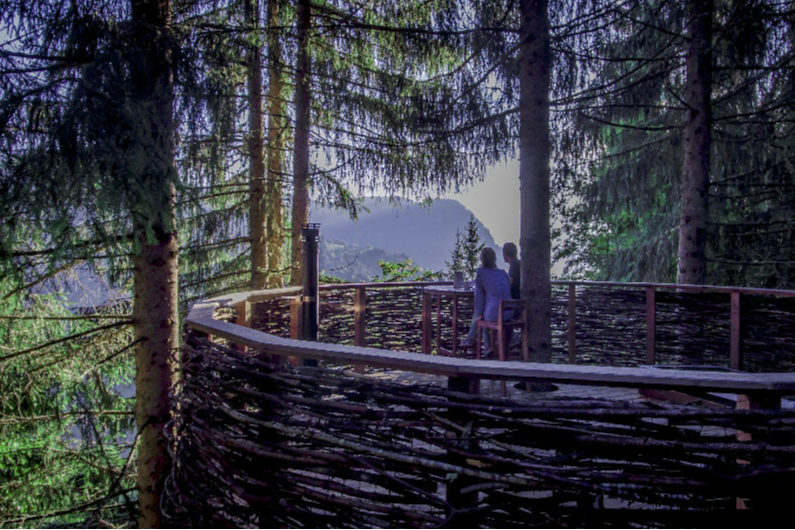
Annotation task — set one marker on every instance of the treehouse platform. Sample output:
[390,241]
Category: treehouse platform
[670,409]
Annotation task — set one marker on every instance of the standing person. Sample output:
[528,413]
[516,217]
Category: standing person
[491,286]
[511,256]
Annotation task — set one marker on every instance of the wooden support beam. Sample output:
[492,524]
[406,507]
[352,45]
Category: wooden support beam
[753,401]
[651,325]
[758,401]
[456,499]
[572,324]
[203,335]
[735,337]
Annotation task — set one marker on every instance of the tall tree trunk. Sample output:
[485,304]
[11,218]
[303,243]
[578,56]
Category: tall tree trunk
[300,214]
[258,203]
[697,139]
[155,265]
[275,145]
[155,308]
[534,147]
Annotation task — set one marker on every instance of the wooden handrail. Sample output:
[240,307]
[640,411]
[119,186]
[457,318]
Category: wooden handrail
[201,319]
[585,283]
[735,357]
[681,287]
[375,285]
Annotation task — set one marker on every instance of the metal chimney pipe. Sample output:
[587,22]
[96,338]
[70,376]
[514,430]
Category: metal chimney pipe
[310,248]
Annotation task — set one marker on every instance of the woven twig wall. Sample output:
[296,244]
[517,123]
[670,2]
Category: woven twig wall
[692,328]
[257,445]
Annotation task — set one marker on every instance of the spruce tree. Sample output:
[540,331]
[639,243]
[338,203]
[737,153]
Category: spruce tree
[258,207]
[471,248]
[697,135]
[91,157]
[631,124]
[457,259]
[277,132]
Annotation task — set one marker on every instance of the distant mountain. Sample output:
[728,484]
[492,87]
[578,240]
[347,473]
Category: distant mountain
[426,235]
[351,262]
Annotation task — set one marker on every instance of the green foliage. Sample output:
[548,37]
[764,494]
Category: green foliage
[65,432]
[353,263]
[619,156]
[404,271]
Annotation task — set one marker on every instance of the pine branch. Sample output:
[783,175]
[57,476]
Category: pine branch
[64,339]
[76,509]
[215,278]
[82,317]
[224,243]
[628,126]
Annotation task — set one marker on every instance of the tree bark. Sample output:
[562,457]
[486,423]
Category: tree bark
[300,213]
[258,203]
[692,267]
[535,61]
[276,130]
[155,298]
[156,326]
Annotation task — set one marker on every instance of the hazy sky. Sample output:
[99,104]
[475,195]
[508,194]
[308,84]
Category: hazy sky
[495,201]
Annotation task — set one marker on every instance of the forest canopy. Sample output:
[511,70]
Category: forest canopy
[169,151]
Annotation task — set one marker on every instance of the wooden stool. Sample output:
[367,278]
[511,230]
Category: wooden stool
[501,327]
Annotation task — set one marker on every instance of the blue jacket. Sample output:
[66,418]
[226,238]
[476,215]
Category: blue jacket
[491,286]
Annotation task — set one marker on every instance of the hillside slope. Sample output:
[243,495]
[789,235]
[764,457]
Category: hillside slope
[426,235]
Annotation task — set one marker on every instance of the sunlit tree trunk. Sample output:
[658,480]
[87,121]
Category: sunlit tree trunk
[696,164]
[275,145]
[300,213]
[155,264]
[258,203]
[534,148]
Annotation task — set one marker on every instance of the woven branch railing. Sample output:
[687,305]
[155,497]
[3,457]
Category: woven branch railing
[258,444]
[615,324]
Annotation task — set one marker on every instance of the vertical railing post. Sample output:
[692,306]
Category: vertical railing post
[735,335]
[651,325]
[242,318]
[296,324]
[310,241]
[310,297]
[359,322]
[438,324]
[454,348]
[296,317]
[572,323]
[360,316]
[426,322]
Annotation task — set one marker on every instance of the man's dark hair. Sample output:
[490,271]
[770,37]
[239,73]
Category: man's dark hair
[510,250]
[488,257]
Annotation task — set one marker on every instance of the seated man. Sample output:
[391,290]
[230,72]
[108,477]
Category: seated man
[491,286]
[511,257]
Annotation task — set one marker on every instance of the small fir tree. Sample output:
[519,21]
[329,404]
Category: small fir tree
[457,258]
[472,248]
